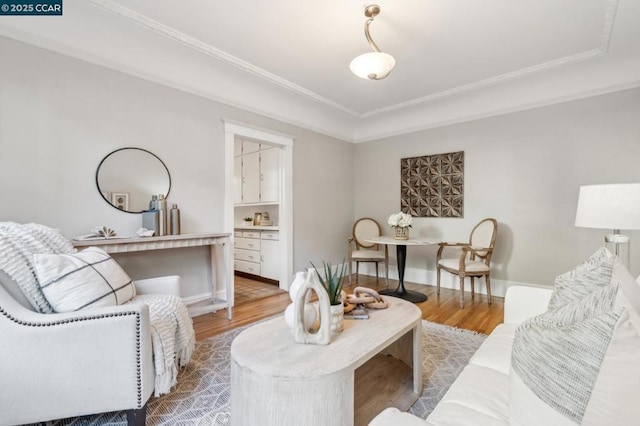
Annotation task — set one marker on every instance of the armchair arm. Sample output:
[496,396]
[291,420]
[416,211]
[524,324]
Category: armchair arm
[79,363]
[159,285]
[444,245]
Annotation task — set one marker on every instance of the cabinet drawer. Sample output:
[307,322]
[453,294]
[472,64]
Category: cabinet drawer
[247,255]
[248,267]
[270,235]
[238,234]
[248,244]
[251,234]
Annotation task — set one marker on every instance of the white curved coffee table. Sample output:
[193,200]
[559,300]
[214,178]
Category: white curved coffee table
[275,381]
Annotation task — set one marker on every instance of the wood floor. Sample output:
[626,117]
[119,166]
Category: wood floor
[477,315]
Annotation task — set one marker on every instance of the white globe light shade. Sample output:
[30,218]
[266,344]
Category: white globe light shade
[373,65]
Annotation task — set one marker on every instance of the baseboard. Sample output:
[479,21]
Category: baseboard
[447,280]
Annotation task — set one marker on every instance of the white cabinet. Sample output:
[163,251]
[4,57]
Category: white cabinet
[246,253]
[258,253]
[270,255]
[269,175]
[257,168]
[237,179]
[251,178]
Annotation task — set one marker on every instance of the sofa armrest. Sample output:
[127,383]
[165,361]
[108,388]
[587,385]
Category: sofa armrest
[522,302]
[394,417]
[160,285]
[91,361]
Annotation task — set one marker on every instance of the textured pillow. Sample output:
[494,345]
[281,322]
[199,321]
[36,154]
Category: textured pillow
[579,363]
[71,282]
[593,274]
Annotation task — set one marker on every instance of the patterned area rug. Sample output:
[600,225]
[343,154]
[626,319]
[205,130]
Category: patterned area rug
[202,395]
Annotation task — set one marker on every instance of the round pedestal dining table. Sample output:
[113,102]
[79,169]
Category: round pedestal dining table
[401,253]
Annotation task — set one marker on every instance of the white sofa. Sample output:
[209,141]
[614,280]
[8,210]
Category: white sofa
[480,394]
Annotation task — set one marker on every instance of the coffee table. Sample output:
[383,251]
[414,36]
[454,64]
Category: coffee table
[371,365]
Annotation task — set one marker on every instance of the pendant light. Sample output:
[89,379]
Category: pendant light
[374,65]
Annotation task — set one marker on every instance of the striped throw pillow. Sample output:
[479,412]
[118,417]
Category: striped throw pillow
[90,278]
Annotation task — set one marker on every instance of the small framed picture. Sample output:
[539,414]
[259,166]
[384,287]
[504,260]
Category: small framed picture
[120,200]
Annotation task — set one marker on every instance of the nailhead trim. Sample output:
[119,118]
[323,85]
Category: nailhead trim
[89,318]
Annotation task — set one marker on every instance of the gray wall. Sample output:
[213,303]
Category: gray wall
[524,169]
[59,117]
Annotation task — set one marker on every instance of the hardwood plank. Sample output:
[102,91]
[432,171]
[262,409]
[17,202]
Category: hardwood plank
[477,315]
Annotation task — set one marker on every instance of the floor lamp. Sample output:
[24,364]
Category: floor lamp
[611,206]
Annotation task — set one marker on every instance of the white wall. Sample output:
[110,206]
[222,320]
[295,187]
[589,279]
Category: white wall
[59,117]
[524,169]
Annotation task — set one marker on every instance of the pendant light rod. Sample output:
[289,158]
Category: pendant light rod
[371,12]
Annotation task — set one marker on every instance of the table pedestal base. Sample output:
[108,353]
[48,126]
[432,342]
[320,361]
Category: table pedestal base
[411,296]
[401,292]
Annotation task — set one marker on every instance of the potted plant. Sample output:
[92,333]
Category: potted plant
[247,220]
[333,283]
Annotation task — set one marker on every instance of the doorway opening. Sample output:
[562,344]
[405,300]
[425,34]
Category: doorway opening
[283,145]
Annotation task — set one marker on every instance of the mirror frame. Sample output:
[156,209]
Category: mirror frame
[122,149]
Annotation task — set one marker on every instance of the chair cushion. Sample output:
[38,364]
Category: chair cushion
[578,364]
[367,254]
[71,282]
[593,274]
[469,265]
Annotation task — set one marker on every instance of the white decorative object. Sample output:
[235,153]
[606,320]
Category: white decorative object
[299,279]
[144,232]
[310,315]
[300,333]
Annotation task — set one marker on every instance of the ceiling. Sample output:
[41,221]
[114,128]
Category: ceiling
[455,60]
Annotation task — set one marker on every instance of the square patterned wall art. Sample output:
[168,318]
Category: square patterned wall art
[433,185]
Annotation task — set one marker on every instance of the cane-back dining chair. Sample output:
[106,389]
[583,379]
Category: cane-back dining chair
[362,251]
[474,257]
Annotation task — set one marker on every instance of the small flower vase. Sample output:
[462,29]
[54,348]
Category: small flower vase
[337,319]
[402,233]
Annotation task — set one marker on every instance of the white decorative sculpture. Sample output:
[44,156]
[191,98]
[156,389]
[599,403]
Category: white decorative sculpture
[300,332]
[310,313]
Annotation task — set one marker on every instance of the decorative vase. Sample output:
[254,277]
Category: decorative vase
[402,233]
[337,319]
[300,333]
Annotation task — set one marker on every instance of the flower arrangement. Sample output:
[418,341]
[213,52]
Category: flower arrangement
[400,220]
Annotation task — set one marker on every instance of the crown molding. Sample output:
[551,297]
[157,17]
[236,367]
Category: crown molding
[110,6]
[209,50]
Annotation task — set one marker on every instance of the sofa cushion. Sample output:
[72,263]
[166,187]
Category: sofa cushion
[71,282]
[495,351]
[579,363]
[479,396]
[585,278]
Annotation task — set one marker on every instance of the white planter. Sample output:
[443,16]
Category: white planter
[337,318]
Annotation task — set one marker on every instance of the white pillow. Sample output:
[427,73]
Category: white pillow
[90,278]
[579,363]
[593,274]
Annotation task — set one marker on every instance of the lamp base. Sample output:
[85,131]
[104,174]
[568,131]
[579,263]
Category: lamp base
[620,244]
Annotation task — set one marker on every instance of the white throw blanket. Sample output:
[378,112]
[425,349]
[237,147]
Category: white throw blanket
[172,335]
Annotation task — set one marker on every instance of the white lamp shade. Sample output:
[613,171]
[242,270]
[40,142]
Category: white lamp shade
[373,65]
[615,206]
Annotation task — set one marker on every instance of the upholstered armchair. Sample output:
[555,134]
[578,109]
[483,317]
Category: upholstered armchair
[362,251]
[89,361]
[473,258]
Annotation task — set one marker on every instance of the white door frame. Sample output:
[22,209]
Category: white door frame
[284,143]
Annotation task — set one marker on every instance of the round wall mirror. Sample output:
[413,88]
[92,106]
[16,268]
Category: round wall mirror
[128,177]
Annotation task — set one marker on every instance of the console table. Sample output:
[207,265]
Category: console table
[219,258]
[371,365]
